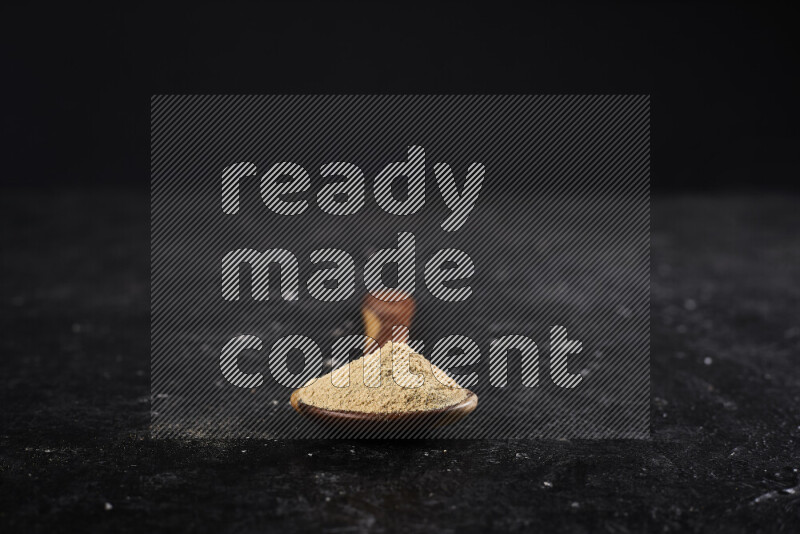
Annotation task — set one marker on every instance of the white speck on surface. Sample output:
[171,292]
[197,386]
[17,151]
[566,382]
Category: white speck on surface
[737,451]
[108,507]
[575,504]
[310,454]
[765,497]
[707,360]
[547,484]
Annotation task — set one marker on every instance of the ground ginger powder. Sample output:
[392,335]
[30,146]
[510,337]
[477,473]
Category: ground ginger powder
[394,379]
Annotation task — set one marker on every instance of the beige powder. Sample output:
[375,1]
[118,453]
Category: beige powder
[392,380]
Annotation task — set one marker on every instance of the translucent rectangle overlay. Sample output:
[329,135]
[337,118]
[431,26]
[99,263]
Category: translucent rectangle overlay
[519,225]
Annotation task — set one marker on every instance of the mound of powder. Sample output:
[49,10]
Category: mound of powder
[393,379]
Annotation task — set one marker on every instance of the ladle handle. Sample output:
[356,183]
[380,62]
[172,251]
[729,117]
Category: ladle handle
[382,316]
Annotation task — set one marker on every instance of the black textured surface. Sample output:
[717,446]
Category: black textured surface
[74,389]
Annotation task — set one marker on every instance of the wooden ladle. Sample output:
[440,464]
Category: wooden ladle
[379,317]
[397,420]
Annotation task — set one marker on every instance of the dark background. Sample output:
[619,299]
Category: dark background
[723,76]
[75,451]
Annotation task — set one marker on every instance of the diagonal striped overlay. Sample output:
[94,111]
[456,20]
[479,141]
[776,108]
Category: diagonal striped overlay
[559,237]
